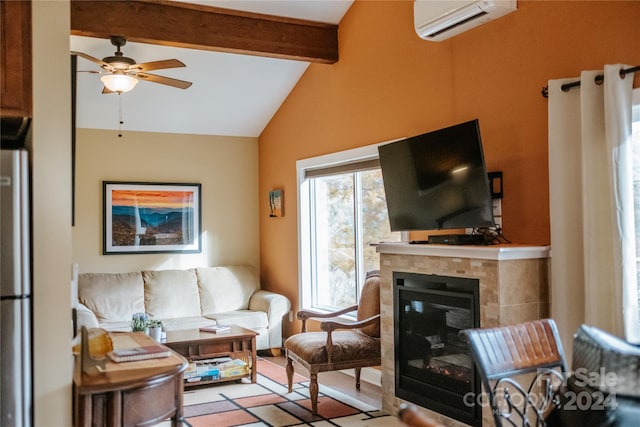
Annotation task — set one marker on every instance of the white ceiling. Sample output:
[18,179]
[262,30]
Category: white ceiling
[231,94]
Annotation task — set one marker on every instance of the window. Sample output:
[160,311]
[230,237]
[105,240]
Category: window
[342,211]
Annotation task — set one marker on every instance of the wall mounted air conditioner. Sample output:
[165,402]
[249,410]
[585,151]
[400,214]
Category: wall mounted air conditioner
[437,20]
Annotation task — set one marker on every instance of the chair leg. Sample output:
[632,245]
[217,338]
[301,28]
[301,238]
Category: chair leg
[313,393]
[357,378]
[290,374]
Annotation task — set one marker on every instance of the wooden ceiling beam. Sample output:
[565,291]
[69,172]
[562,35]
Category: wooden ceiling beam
[202,27]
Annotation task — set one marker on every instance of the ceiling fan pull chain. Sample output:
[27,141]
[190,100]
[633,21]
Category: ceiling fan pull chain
[120,121]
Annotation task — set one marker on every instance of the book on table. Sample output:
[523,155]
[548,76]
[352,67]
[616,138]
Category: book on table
[144,352]
[215,369]
[233,368]
[216,328]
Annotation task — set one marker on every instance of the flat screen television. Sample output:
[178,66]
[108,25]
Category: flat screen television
[437,180]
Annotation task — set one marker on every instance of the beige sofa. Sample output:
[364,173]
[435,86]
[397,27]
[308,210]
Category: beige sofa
[183,299]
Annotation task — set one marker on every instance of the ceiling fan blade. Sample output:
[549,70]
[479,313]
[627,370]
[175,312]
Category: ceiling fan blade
[157,65]
[100,62]
[181,84]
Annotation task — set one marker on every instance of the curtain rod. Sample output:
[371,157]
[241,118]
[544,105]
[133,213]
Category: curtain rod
[599,79]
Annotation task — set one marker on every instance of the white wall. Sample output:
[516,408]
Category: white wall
[51,213]
[226,167]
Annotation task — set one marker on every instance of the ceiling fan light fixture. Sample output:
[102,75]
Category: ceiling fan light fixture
[119,82]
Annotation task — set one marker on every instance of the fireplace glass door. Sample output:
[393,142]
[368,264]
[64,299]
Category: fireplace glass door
[433,363]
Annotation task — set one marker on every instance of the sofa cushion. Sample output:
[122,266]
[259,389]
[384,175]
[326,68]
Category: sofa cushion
[122,326]
[113,297]
[171,293]
[245,318]
[191,322]
[224,289]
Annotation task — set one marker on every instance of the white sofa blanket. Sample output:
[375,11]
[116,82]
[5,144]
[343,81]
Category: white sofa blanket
[183,299]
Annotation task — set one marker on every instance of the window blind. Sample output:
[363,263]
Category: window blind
[337,169]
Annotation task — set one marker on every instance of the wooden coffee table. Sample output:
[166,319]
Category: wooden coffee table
[239,343]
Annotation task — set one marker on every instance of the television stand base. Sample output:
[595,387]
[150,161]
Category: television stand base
[457,239]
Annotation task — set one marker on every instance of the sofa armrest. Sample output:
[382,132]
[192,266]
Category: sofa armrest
[276,306]
[85,317]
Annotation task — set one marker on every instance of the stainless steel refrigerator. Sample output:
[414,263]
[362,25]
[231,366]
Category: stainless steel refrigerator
[16,395]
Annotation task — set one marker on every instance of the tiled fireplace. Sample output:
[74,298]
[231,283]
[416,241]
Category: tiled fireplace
[511,282]
[433,365]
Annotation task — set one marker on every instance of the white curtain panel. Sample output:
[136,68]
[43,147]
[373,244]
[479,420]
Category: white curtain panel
[593,250]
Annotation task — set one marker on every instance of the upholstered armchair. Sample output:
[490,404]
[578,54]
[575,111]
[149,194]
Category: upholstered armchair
[339,345]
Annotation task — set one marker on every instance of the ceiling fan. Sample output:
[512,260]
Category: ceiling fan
[123,72]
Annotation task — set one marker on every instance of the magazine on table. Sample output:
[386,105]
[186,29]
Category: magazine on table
[153,351]
[216,328]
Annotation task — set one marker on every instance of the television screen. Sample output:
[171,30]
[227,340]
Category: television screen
[437,180]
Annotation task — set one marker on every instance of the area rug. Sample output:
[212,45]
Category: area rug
[268,403]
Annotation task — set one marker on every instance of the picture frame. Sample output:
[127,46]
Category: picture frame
[146,217]
[276,204]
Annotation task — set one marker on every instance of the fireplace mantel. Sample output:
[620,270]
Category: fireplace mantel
[513,287]
[493,252]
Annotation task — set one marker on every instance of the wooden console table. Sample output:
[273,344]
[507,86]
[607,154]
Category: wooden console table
[131,393]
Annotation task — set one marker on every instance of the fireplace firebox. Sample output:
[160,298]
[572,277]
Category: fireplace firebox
[433,365]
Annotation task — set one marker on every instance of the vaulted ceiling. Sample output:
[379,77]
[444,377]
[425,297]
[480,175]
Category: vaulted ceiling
[243,58]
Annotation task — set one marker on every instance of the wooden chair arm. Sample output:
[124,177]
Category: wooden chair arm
[304,315]
[332,325]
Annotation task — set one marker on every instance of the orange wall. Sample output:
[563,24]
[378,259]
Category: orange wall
[389,84]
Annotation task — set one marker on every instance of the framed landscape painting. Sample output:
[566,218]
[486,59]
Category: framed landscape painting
[151,218]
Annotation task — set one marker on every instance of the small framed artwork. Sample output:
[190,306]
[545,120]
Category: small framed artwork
[141,218]
[275,204]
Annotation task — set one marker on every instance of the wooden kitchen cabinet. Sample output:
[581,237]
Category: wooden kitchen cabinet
[15,59]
